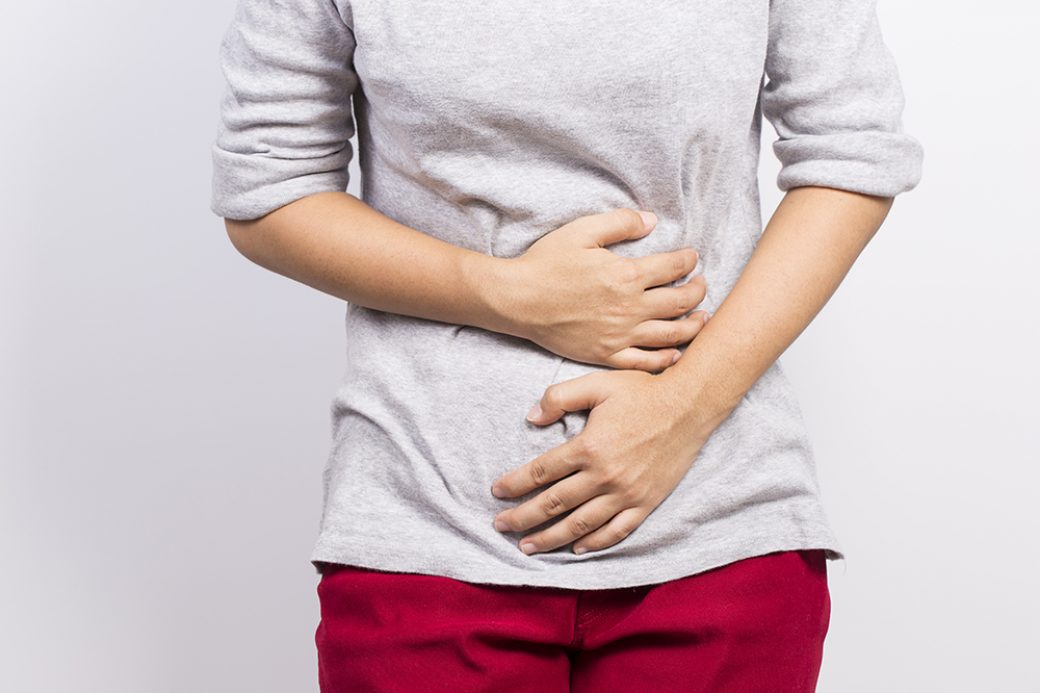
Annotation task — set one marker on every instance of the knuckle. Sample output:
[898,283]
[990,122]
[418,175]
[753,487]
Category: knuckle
[590,449]
[621,530]
[578,526]
[628,271]
[619,285]
[606,350]
[612,346]
[673,334]
[539,473]
[627,305]
[552,504]
[630,218]
[629,494]
[553,396]
[612,476]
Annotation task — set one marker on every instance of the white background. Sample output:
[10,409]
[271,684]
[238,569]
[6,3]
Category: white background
[164,402]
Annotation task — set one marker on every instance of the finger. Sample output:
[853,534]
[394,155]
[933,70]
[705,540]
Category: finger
[598,230]
[577,394]
[546,468]
[650,360]
[666,333]
[662,268]
[618,528]
[673,301]
[587,518]
[564,495]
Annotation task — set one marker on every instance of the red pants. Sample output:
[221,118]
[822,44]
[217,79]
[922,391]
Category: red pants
[755,625]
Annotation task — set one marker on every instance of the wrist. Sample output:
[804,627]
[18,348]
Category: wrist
[492,281]
[696,395]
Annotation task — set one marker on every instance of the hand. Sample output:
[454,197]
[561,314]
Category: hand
[637,444]
[570,295]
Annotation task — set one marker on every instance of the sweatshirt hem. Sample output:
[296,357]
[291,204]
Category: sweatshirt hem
[647,571]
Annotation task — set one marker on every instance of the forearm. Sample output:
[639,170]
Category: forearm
[339,245]
[806,250]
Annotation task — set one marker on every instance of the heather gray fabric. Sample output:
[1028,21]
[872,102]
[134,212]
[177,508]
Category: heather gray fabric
[489,124]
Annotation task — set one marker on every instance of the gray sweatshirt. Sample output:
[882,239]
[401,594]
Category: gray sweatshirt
[490,124]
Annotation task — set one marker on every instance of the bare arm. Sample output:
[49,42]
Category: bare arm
[806,250]
[337,244]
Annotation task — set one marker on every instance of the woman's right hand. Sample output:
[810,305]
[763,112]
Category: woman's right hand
[570,295]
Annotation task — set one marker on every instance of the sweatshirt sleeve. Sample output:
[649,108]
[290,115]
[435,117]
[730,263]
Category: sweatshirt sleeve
[285,116]
[834,97]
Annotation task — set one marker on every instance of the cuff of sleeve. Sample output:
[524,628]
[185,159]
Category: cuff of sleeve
[869,162]
[248,186]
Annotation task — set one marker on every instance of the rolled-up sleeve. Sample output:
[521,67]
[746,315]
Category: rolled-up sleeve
[285,116]
[834,96]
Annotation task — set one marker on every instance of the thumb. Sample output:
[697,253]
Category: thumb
[584,392]
[599,230]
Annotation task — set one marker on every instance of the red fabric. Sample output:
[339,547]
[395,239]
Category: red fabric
[754,625]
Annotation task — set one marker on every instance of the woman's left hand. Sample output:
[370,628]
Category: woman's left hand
[637,444]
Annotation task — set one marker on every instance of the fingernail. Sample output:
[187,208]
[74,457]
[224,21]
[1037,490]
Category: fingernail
[501,525]
[535,412]
[527,548]
[580,550]
[678,355]
[496,491]
[649,218]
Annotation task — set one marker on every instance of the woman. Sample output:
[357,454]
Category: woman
[553,200]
